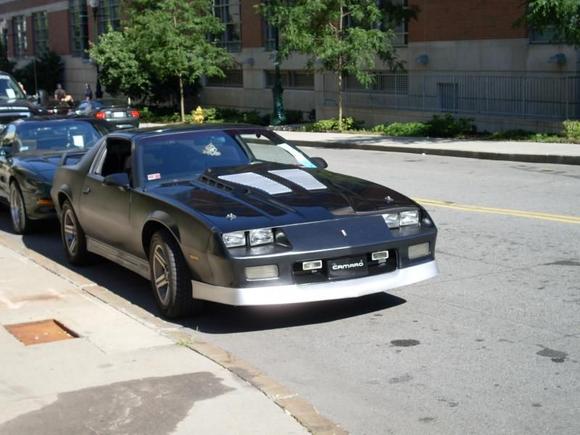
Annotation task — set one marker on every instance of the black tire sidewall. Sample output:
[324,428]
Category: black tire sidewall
[25,224]
[180,302]
[81,255]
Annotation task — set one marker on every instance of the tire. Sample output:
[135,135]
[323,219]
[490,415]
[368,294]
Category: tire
[170,277]
[20,221]
[73,236]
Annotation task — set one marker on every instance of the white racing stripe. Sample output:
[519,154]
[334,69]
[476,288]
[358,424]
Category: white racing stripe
[257,181]
[299,177]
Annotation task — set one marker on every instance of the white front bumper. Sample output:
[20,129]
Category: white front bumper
[295,293]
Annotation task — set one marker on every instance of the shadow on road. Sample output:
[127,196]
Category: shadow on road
[216,318]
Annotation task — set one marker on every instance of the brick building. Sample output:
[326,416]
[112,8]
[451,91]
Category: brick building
[462,57]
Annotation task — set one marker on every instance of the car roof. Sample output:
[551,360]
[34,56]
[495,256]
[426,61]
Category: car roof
[181,128]
[53,118]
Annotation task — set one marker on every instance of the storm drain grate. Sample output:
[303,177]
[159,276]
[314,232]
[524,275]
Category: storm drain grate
[43,331]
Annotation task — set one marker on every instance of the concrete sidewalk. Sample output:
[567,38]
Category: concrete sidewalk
[533,152]
[120,376]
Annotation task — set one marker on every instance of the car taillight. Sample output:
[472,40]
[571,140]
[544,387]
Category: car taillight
[101,115]
[134,113]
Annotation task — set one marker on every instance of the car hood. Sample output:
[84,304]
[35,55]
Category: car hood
[269,194]
[16,108]
[44,166]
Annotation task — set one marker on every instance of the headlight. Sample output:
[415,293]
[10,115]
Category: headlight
[235,239]
[402,219]
[261,237]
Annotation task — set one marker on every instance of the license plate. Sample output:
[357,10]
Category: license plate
[119,115]
[349,267]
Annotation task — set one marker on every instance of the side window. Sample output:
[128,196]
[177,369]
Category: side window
[115,158]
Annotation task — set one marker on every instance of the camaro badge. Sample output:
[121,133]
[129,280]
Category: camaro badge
[231,216]
[343,233]
[211,150]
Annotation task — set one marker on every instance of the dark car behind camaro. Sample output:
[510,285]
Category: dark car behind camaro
[236,215]
[30,151]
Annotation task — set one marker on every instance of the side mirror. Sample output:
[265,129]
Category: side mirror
[119,179]
[5,152]
[319,162]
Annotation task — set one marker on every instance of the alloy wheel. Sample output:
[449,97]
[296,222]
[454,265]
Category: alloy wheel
[17,211]
[70,232]
[161,274]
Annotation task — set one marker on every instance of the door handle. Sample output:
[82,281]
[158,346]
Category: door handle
[87,190]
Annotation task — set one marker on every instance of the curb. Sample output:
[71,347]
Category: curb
[298,408]
[526,158]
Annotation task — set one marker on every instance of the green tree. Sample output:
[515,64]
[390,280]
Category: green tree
[344,37]
[559,16]
[162,41]
[5,64]
[120,70]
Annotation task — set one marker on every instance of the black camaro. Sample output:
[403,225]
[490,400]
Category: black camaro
[30,151]
[233,214]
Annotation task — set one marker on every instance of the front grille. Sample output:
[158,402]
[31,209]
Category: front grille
[321,275]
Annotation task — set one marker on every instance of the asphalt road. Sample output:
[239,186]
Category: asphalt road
[492,345]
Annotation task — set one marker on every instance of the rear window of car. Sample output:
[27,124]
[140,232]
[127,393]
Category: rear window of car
[56,136]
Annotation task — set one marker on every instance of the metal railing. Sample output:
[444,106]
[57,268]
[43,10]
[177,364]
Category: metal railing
[520,95]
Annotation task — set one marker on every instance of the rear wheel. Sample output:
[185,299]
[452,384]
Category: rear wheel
[73,236]
[20,221]
[170,277]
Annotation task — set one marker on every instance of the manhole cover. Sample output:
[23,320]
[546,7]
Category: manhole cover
[43,331]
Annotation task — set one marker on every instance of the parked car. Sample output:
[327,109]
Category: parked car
[115,112]
[235,215]
[30,151]
[14,104]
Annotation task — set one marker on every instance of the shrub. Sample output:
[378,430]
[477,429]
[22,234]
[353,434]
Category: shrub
[294,117]
[410,129]
[572,129]
[348,123]
[448,126]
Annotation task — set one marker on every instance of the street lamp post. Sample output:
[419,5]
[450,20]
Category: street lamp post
[278,115]
[94,5]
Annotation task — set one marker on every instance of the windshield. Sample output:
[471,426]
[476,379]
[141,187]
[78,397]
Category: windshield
[183,155]
[56,136]
[9,89]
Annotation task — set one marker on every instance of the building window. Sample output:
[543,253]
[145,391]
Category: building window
[228,11]
[387,83]
[79,23]
[40,29]
[292,79]
[399,27]
[109,15]
[548,36]
[234,78]
[270,35]
[20,41]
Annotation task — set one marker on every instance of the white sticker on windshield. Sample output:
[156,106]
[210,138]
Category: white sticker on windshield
[300,158]
[155,176]
[78,141]
[258,181]
[299,177]
[10,93]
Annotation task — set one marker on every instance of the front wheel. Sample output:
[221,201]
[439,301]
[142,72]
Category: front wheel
[73,236]
[20,220]
[170,277]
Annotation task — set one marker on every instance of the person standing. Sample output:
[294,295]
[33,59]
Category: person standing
[88,92]
[59,93]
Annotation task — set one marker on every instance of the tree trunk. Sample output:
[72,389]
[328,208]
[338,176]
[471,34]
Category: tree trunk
[181,99]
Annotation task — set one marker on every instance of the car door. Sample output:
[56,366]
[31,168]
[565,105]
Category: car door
[7,140]
[104,210]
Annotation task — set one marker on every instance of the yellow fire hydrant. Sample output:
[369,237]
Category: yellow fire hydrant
[198,115]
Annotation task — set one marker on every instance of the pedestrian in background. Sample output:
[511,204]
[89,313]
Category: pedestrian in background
[88,92]
[59,93]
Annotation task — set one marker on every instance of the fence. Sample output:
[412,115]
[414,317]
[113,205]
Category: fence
[525,96]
